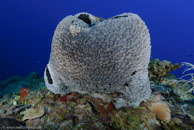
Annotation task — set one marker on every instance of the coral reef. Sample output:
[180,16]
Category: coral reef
[10,111]
[43,109]
[93,56]
[32,81]
[159,69]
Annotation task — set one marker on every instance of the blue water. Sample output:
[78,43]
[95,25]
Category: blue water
[27,26]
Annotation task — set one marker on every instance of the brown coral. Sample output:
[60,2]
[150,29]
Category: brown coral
[161,111]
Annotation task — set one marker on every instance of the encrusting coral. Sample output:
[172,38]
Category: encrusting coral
[32,113]
[93,55]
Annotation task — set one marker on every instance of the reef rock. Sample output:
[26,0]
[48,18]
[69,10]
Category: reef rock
[91,55]
[8,123]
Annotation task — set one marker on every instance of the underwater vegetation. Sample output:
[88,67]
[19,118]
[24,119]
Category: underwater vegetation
[170,106]
[189,67]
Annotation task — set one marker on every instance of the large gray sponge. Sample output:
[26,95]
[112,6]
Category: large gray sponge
[105,58]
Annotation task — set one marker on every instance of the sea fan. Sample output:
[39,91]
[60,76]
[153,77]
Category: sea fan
[189,67]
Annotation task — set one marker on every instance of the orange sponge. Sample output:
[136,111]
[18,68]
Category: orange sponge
[23,93]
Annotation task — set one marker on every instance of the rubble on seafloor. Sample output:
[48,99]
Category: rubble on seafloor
[170,106]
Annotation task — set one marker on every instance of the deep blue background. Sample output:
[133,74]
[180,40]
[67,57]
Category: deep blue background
[27,26]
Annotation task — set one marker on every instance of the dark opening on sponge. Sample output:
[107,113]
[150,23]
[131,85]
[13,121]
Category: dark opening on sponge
[50,81]
[120,16]
[85,18]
